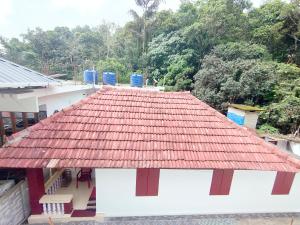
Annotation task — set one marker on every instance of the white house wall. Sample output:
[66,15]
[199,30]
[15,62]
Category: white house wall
[236,111]
[187,192]
[295,147]
[60,101]
[251,119]
[9,103]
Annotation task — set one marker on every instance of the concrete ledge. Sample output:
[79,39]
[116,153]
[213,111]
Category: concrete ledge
[65,218]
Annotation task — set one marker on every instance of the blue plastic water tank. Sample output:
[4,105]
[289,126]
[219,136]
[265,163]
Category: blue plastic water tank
[109,78]
[136,80]
[238,119]
[89,76]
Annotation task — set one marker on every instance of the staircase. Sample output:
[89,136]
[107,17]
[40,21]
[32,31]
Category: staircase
[90,210]
[92,201]
[91,205]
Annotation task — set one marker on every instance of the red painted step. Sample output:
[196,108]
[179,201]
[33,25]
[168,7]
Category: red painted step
[91,204]
[93,194]
[83,213]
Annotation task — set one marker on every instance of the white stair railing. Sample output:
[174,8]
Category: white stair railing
[55,204]
[54,182]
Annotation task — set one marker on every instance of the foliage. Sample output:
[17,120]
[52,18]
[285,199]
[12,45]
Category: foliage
[235,73]
[284,115]
[267,129]
[141,26]
[223,50]
[276,25]
[170,61]
[284,112]
[113,65]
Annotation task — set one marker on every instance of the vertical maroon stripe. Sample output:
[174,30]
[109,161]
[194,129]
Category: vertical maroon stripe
[36,188]
[141,182]
[221,182]
[25,120]
[13,122]
[226,182]
[2,130]
[68,207]
[278,184]
[283,183]
[216,182]
[153,182]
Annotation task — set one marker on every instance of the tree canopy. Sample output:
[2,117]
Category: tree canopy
[224,51]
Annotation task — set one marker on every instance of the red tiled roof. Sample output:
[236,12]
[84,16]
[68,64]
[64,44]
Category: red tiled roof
[130,128]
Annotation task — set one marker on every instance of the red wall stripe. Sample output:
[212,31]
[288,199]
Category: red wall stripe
[226,182]
[141,182]
[216,182]
[68,207]
[221,182]
[147,182]
[36,188]
[283,183]
[153,182]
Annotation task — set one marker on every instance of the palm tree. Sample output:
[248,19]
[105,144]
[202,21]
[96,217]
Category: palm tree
[142,23]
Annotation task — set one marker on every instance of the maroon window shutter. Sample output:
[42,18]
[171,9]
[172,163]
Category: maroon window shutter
[141,182]
[221,182]
[147,182]
[153,182]
[283,183]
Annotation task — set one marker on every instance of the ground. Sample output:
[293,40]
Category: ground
[261,219]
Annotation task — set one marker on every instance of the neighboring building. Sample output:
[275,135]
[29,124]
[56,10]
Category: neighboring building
[27,96]
[284,142]
[243,115]
[150,153]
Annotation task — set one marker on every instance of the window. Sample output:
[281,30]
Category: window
[221,182]
[283,183]
[147,181]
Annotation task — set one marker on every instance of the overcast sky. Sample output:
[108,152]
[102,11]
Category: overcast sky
[16,16]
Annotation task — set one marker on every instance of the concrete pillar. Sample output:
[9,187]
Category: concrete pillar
[25,120]
[36,188]
[2,131]
[13,122]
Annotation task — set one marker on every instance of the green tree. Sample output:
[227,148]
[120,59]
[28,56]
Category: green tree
[234,73]
[284,115]
[170,61]
[142,24]
[114,65]
[276,25]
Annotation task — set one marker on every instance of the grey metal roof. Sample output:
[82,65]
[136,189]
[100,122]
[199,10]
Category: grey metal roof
[13,75]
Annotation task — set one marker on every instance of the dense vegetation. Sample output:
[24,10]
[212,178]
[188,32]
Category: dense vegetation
[225,51]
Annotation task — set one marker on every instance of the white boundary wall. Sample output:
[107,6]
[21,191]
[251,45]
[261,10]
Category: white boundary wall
[14,205]
[184,192]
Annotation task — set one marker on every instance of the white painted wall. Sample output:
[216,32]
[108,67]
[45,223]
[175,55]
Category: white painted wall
[62,100]
[9,103]
[295,147]
[236,111]
[183,192]
[251,119]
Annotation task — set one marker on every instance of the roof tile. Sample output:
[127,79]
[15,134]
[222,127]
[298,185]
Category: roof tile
[129,128]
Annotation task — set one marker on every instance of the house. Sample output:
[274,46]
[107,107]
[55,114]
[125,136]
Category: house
[149,153]
[285,142]
[27,96]
[247,116]
[244,115]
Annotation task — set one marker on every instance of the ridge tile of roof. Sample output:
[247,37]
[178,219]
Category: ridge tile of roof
[137,128]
